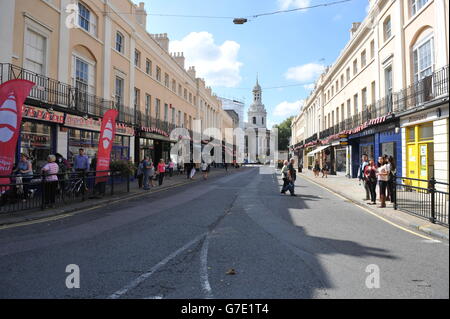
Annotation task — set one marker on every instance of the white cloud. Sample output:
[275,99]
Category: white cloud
[218,64]
[309,86]
[306,73]
[287,4]
[286,109]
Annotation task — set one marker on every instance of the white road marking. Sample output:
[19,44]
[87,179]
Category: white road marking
[204,269]
[136,282]
[155,297]
[431,241]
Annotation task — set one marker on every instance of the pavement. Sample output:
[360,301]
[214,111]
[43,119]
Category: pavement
[27,216]
[352,191]
[233,236]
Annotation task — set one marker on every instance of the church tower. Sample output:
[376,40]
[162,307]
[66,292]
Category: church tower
[257,114]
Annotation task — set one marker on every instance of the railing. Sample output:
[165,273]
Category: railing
[54,93]
[425,90]
[36,192]
[424,198]
[145,120]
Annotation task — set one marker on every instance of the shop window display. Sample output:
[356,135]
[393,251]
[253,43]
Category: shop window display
[36,141]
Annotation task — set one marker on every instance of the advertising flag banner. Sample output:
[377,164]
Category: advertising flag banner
[12,96]
[105,143]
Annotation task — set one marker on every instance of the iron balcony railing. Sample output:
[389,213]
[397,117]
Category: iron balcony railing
[426,90]
[49,92]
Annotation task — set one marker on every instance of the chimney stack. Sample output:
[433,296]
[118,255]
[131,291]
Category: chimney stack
[141,15]
[162,40]
[355,26]
[179,58]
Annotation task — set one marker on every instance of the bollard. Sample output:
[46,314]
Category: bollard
[432,189]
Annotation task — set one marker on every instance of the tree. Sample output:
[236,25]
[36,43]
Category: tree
[284,133]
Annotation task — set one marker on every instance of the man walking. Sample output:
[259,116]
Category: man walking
[81,166]
[364,163]
[292,176]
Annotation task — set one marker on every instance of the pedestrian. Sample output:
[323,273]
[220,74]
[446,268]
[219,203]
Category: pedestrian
[171,166]
[180,166]
[383,177]
[64,167]
[225,165]
[370,176]
[25,170]
[391,180]
[81,166]
[361,178]
[316,168]
[140,173]
[284,175]
[188,167]
[148,172]
[192,171]
[161,171]
[325,170]
[204,168]
[50,170]
[292,176]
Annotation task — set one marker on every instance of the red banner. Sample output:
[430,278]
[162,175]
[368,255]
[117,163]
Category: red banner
[105,143]
[12,96]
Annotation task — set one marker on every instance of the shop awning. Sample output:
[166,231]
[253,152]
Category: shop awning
[320,148]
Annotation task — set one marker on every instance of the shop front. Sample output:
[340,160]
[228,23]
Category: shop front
[84,133]
[38,134]
[425,143]
[375,141]
[154,143]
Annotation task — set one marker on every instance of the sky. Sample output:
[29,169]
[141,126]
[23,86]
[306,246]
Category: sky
[287,49]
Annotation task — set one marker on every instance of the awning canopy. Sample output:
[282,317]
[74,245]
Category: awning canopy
[320,148]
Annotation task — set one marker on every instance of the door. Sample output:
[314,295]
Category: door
[412,167]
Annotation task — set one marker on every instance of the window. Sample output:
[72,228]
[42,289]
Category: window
[166,112]
[81,75]
[364,98]
[179,89]
[342,80]
[423,59]
[337,115]
[355,67]
[349,110]
[174,85]
[426,131]
[148,67]
[158,73]
[372,49]
[262,121]
[363,59]
[387,28]
[332,90]
[137,58]
[372,89]
[87,20]
[158,109]
[166,80]
[148,104]
[342,112]
[119,90]
[179,118]
[337,86]
[190,97]
[185,94]
[348,74]
[355,104]
[35,52]
[416,5]
[254,120]
[388,80]
[120,42]
[137,98]
[173,115]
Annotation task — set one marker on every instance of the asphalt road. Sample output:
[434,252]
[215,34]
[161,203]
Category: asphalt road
[181,243]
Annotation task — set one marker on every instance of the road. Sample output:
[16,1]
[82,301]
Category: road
[183,242]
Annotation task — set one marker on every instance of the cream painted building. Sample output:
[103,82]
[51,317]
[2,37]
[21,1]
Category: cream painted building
[91,55]
[387,93]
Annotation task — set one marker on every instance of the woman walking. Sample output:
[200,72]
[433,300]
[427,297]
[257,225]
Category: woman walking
[325,170]
[161,170]
[391,180]
[383,177]
[50,170]
[205,170]
[316,168]
[170,167]
[370,177]
[284,175]
[25,170]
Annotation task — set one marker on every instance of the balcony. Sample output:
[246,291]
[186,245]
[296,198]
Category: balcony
[52,93]
[415,95]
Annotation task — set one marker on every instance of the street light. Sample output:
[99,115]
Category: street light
[239,20]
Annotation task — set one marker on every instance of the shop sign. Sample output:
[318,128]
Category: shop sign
[154,130]
[95,125]
[38,113]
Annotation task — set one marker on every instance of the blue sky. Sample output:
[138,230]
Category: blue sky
[284,49]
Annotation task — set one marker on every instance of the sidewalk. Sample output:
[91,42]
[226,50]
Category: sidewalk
[8,219]
[351,190]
